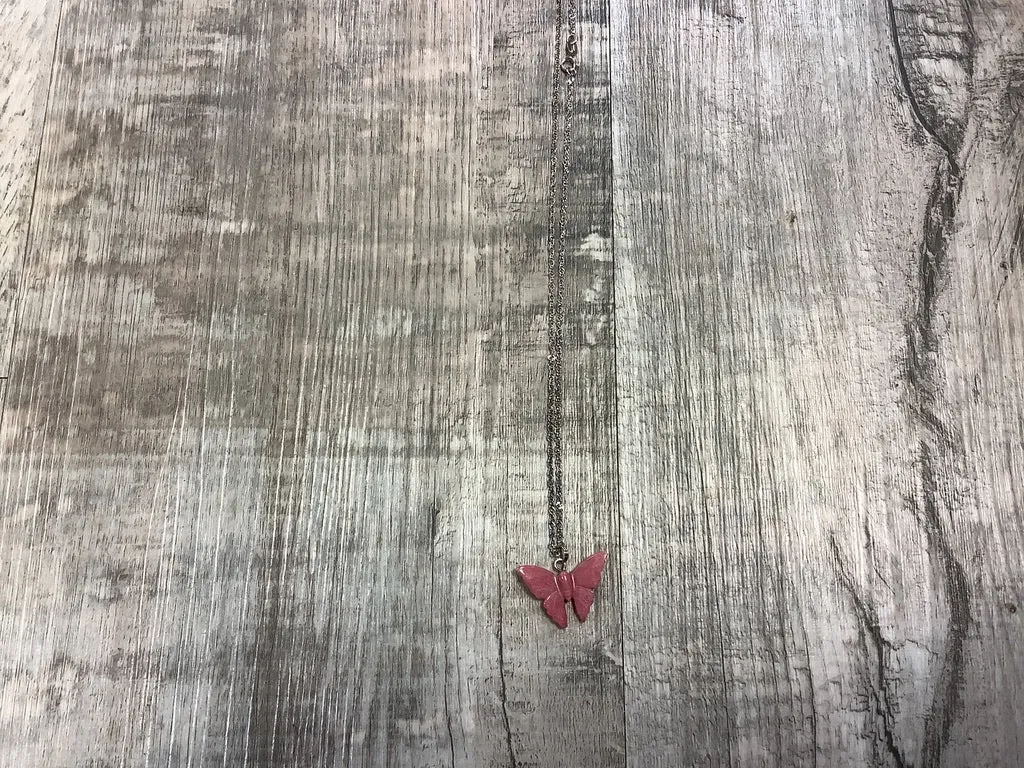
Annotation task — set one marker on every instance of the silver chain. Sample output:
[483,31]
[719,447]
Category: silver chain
[564,77]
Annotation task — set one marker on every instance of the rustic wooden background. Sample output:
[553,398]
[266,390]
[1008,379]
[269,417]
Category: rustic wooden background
[273,341]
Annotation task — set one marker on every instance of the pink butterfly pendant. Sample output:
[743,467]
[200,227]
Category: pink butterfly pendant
[557,589]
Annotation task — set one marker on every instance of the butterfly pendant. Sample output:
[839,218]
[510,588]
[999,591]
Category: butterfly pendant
[557,589]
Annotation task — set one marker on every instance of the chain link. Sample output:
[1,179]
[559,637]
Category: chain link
[562,112]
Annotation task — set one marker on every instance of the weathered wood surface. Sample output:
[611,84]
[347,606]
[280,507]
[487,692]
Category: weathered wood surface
[273,432]
[819,345]
[28,32]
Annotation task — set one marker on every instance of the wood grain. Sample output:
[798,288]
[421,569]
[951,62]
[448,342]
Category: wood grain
[273,442]
[28,31]
[273,432]
[796,322]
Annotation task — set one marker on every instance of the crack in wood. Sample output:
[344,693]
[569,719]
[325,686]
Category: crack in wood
[880,648]
[436,558]
[922,341]
[946,703]
[937,33]
[810,690]
[503,691]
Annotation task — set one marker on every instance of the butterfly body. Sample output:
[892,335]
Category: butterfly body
[556,589]
[566,584]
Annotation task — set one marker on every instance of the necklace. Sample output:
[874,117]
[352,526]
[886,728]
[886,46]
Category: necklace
[558,587]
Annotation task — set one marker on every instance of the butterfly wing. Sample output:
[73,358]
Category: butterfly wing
[585,577]
[582,599]
[554,607]
[539,582]
[588,573]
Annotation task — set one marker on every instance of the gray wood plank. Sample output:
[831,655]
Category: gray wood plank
[28,31]
[563,689]
[976,362]
[275,428]
[815,568]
